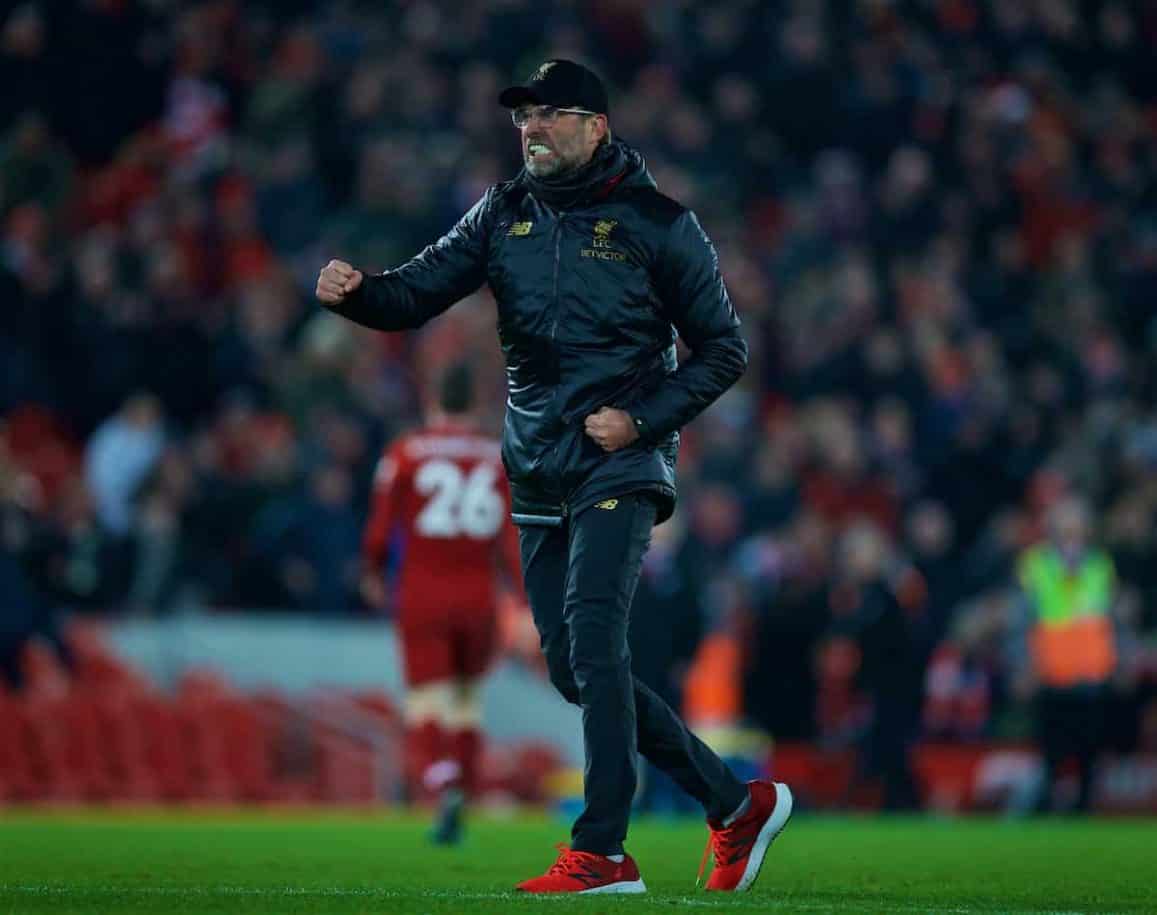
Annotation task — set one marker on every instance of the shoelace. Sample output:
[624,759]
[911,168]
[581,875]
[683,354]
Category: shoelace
[724,842]
[567,858]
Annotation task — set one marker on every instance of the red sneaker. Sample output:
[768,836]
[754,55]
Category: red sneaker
[583,872]
[740,848]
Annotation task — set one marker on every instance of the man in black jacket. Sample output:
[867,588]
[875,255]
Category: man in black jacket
[594,271]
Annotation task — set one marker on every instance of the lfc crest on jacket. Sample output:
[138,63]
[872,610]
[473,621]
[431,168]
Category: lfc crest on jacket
[602,247]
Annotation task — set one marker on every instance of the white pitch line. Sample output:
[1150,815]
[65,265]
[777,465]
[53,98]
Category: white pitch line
[731,901]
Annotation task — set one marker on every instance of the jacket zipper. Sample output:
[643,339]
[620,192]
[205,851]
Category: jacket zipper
[554,343]
[557,258]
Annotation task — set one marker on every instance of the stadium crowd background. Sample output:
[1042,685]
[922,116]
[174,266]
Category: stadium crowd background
[937,219]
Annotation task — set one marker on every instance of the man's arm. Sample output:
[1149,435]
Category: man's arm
[422,288]
[384,512]
[693,294]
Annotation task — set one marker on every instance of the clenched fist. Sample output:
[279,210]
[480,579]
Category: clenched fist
[611,429]
[337,280]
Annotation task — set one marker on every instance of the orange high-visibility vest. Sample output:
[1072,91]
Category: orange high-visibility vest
[713,689]
[1072,639]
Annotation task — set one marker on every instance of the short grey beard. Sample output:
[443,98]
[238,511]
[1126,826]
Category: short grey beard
[544,170]
[554,170]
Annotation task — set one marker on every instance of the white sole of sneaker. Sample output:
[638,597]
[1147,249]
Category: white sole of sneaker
[623,886]
[772,828]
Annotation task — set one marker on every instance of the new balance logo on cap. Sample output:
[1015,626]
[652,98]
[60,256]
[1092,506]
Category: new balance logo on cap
[608,505]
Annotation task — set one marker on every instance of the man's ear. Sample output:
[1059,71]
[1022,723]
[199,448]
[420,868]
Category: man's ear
[601,127]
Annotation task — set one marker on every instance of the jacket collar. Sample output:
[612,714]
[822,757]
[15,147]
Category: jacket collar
[612,167]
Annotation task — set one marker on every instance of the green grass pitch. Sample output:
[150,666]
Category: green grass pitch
[380,863]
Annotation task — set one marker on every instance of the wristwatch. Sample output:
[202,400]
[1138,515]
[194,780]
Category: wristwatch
[642,428]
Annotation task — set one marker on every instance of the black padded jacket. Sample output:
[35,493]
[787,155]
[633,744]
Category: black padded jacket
[591,292]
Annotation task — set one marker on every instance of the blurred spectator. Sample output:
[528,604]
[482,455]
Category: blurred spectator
[788,576]
[75,560]
[931,536]
[35,168]
[327,530]
[123,450]
[878,602]
[844,486]
[161,562]
[26,614]
[1069,589]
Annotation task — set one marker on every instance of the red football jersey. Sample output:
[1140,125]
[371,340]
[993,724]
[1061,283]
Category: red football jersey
[440,520]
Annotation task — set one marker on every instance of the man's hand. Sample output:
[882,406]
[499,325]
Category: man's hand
[611,429]
[373,591]
[337,280]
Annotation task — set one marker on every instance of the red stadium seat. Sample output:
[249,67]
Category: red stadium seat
[290,747]
[497,770]
[165,740]
[125,748]
[18,780]
[247,750]
[84,746]
[345,773]
[203,684]
[535,762]
[47,744]
[95,665]
[44,674]
[379,704]
[205,744]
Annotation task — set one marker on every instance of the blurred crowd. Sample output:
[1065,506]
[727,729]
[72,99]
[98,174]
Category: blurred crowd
[937,218]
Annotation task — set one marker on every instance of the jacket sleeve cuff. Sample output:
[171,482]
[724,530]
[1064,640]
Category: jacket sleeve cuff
[646,433]
[359,296]
[357,305]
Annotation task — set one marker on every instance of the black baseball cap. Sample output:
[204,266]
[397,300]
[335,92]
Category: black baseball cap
[561,83]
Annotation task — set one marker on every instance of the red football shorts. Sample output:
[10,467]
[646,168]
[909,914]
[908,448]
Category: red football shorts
[455,648]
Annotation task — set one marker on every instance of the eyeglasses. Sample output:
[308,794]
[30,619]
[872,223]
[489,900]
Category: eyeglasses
[547,114]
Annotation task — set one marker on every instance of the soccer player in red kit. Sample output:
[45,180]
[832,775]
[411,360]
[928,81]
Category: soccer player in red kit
[440,520]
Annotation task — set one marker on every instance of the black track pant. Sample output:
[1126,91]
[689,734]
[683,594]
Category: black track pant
[1070,724]
[580,579]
